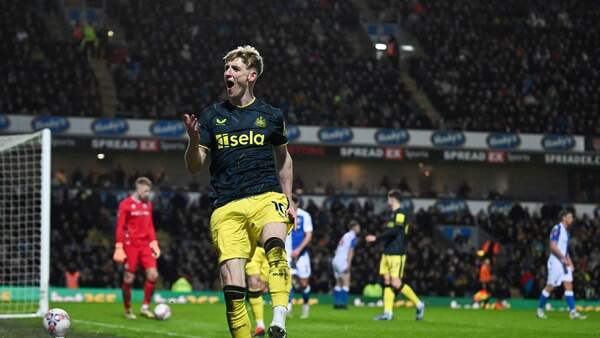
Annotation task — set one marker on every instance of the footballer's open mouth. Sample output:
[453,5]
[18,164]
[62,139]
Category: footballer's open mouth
[229,83]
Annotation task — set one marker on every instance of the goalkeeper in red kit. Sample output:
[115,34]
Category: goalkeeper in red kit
[135,243]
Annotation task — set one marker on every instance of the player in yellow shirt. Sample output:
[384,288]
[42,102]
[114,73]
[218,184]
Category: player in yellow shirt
[393,260]
[251,175]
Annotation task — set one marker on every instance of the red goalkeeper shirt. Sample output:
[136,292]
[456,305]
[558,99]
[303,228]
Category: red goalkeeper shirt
[134,223]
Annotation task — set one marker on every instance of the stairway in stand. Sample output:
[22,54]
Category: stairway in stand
[106,83]
[421,99]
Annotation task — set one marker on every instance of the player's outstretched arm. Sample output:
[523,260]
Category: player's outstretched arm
[195,154]
[285,171]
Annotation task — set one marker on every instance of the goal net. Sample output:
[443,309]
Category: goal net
[24,224]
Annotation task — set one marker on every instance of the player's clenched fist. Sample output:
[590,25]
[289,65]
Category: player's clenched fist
[155,248]
[119,256]
[191,125]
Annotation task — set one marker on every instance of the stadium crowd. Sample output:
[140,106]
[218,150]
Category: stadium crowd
[83,221]
[511,65]
[317,80]
[41,74]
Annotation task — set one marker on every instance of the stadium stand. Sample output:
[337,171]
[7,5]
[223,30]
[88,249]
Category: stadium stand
[511,65]
[42,75]
[182,220]
[174,62]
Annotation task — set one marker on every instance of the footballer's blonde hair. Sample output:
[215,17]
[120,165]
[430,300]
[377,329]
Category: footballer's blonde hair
[249,55]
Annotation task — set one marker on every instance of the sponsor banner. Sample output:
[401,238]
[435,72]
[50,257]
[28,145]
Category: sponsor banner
[556,142]
[293,133]
[504,141]
[573,159]
[414,154]
[519,158]
[448,139]
[4,122]
[316,151]
[92,295]
[465,155]
[451,205]
[500,207]
[167,128]
[362,152]
[333,135]
[309,135]
[69,143]
[179,146]
[109,127]
[391,137]
[394,153]
[144,145]
[56,124]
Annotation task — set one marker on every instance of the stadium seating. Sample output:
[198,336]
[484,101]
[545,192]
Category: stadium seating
[511,65]
[182,221]
[175,62]
[42,75]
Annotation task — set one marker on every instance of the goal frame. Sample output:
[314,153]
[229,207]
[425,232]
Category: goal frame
[46,162]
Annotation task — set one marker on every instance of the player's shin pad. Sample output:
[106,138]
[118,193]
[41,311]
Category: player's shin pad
[257,303]
[279,271]
[237,316]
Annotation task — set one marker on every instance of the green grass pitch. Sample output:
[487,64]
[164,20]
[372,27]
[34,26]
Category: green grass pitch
[208,321]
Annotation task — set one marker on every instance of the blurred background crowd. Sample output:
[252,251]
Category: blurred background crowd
[84,220]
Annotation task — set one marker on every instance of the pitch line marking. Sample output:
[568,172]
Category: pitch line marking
[115,326]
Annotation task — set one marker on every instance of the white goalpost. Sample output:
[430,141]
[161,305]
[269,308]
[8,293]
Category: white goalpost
[24,224]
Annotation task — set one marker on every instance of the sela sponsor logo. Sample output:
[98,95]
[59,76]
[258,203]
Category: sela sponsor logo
[451,205]
[335,135]
[306,150]
[394,153]
[465,155]
[449,139]
[172,146]
[503,141]
[4,122]
[241,139]
[391,137]
[558,142]
[114,144]
[293,132]
[167,128]
[416,154]
[57,124]
[573,159]
[109,127]
[362,152]
[500,207]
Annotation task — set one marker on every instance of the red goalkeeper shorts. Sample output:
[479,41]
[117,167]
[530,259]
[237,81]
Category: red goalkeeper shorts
[139,255]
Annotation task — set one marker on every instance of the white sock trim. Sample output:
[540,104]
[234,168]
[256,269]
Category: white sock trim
[545,293]
[569,293]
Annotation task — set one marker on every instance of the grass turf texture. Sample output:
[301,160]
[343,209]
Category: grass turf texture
[208,321]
